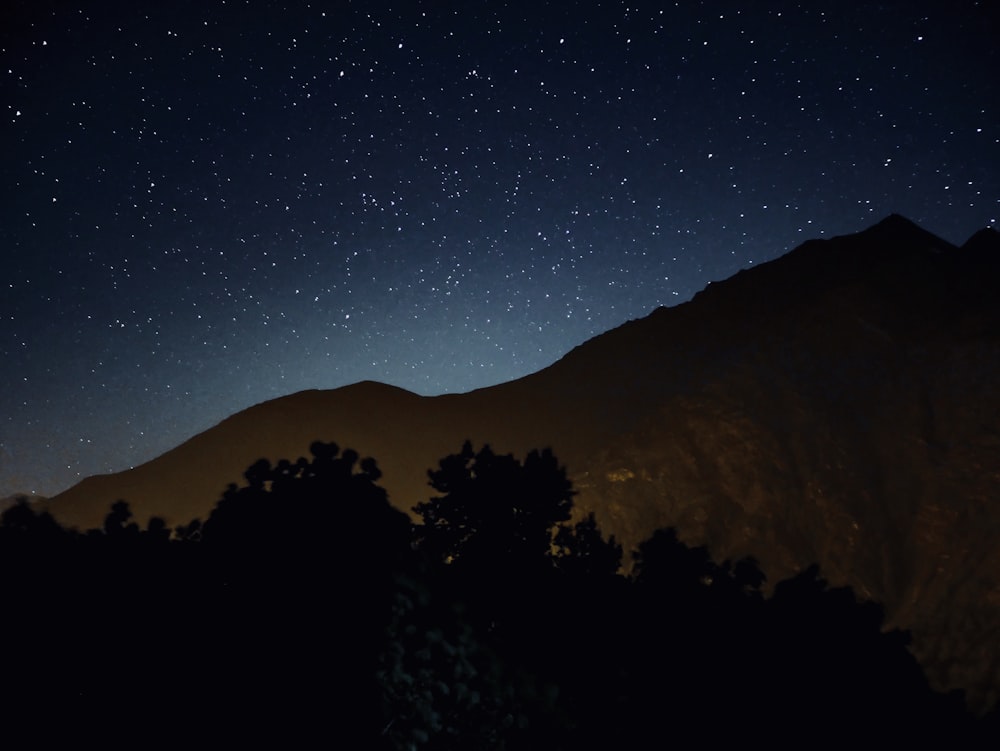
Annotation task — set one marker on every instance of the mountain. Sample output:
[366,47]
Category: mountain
[837,405]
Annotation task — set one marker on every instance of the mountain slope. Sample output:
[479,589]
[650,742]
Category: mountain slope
[835,405]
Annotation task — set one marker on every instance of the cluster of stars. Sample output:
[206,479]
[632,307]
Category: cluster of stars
[207,205]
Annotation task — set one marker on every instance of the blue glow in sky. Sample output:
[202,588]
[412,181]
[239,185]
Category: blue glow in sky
[207,205]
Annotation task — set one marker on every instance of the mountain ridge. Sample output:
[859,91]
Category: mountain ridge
[836,405]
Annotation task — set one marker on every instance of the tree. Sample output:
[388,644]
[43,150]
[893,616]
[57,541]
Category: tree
[22,521]
[667,566]
[117,524]
[583,551]
[301,563]
[330,505]
[494,510]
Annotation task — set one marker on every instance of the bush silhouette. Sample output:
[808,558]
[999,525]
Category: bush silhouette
[299,612]
[495,511]
[330,508]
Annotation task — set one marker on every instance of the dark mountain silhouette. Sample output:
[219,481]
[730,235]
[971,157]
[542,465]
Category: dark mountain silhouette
[835,406]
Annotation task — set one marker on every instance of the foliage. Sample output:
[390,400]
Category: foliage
[298,508]
[306,609]
[583,552]
[494,510]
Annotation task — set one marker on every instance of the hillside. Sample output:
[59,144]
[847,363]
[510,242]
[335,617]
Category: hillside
[836,405]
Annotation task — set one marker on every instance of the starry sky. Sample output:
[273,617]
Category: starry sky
[210,204]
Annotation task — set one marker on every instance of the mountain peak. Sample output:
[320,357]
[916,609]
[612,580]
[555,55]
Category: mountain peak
[985,240]
[898,223]
[817,266]
[902,233]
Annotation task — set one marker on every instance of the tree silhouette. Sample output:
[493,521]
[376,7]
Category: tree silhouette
[298,613]
[495,512]
[827,639]
[328,508]
[583,552]
[117,522]
[534,591]
[666,564]
[302,558]
[22,519]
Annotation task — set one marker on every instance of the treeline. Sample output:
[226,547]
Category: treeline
[306,610]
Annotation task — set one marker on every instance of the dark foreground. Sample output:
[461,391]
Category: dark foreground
[306,610]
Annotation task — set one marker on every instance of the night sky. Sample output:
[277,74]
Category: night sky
[207,205]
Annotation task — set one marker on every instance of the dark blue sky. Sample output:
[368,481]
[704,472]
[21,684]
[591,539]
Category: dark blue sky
[206,205]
